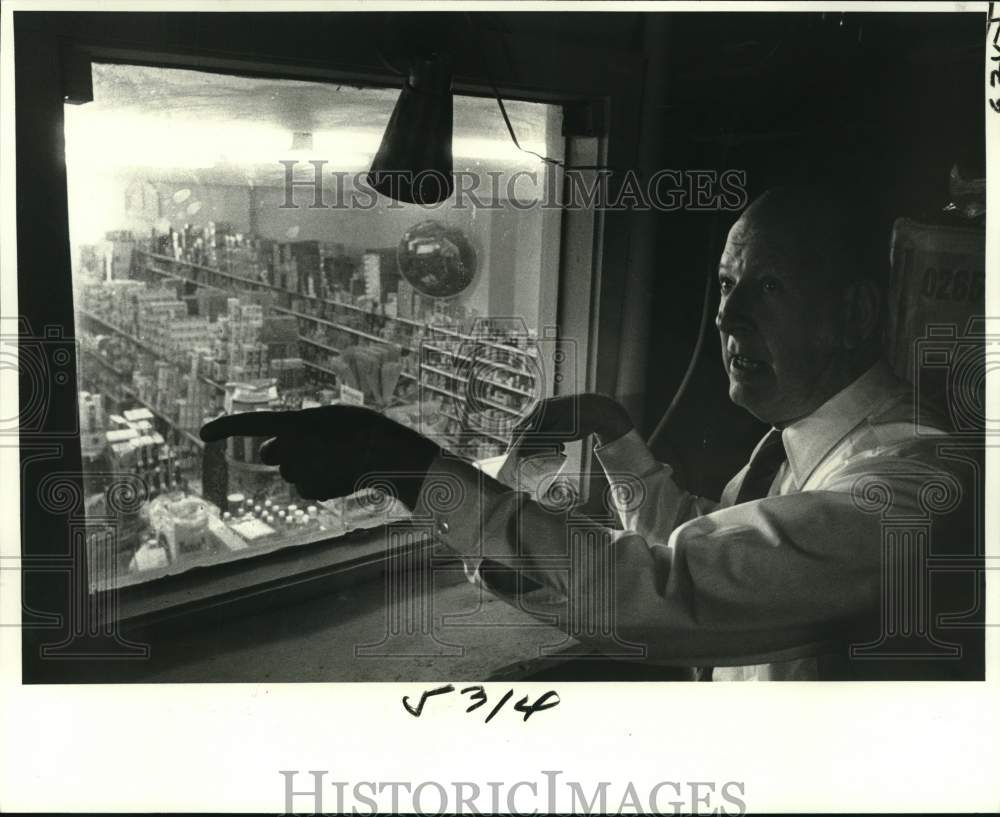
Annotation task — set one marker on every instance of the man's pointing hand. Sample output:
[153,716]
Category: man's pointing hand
[330,451]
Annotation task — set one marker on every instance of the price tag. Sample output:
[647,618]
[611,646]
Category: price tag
[351,397]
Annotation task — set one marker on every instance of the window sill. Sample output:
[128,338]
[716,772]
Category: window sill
[281,576]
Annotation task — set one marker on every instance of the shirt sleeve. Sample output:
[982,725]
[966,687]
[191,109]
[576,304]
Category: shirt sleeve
[743,584]
[643,492]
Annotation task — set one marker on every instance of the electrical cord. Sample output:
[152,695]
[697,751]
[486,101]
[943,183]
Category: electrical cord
[706,299]
[689,373]
[503,110]
[386,62]
[710,271]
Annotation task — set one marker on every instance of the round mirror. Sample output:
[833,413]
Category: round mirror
[436,260]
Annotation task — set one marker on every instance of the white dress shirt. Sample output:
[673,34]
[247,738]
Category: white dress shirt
[758,590]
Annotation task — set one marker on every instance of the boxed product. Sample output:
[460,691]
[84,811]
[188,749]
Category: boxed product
[937,288]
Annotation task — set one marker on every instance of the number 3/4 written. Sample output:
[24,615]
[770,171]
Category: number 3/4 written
[477,695]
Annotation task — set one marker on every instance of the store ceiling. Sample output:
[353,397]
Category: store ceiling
[290,104]
[232,128]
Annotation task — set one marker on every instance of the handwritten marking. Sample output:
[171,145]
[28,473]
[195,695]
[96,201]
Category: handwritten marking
[538,706]
[423,699]
[499,706]
[477,695]
[993,21]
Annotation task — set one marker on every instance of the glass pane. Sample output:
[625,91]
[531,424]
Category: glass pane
[206,283]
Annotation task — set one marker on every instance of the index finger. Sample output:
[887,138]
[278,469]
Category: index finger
[248,424]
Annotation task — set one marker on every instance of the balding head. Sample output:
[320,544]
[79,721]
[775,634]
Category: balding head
[829,231]
[800,278]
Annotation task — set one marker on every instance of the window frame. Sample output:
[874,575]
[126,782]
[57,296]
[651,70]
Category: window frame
[69,40]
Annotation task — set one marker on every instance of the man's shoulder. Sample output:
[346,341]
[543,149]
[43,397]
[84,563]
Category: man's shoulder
[900,413]
[899,431]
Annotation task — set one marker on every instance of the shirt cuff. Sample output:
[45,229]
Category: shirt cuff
[627,455]
[458,501]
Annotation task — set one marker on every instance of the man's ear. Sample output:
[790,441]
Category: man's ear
[862,307]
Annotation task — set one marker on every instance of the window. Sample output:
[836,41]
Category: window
[205,283]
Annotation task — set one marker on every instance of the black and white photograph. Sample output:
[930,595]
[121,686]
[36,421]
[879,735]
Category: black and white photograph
[491,374]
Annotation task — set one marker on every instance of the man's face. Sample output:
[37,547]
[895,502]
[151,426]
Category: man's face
[778,322]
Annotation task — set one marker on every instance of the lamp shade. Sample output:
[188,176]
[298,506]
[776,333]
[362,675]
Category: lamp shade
[414,162]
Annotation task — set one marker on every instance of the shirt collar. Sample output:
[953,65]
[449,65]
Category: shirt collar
[808,441]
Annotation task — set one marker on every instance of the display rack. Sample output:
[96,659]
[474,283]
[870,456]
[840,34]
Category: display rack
[439,369]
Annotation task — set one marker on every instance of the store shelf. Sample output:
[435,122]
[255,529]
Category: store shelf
[495,363]
[445,392]
[325,322]
[444,372]
[212,271]
[327,302]
[263,284]
[192,438]
[301,315]
[511,389]
[319,345]
[482,400]
[462,378]
[320,368]
[442,332]
[500,407]
[172,275]
[473,432]
[107,364]
[146,346]
[479,341]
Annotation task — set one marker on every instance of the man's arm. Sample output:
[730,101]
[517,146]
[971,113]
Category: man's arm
[747,583]
[632,471]
[643,492]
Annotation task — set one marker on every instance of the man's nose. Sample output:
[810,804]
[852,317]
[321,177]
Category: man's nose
[734,311]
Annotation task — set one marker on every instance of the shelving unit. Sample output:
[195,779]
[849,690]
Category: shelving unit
[146,347]
[481,432]
[333,350]
[435,359]
[495,363]
[319,368]
[130,393]
[339,326]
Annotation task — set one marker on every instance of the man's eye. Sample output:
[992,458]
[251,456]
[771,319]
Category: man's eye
[770,285]
[725,285]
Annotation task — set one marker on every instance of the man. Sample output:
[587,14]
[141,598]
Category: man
[774,581]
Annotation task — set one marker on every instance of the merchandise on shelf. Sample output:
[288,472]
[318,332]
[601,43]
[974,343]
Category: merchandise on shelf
[318,319]
[181,524]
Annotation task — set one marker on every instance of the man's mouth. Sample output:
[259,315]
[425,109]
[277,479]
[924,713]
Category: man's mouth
[742,367]
[746,364]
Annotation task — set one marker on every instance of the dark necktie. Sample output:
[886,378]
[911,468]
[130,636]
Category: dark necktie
[763,468]
[756,483]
